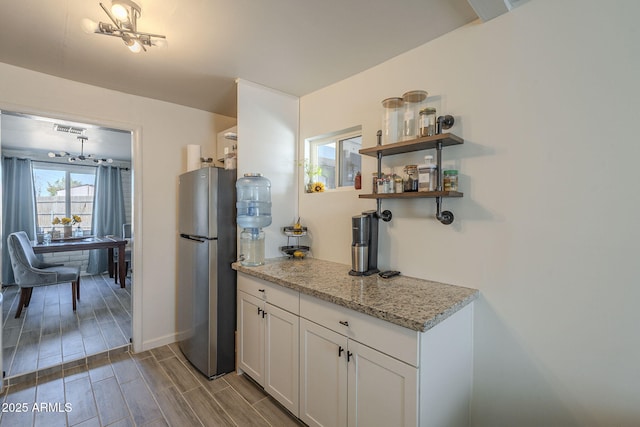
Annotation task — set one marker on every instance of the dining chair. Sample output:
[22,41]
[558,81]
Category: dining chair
[126,234]
[30,272]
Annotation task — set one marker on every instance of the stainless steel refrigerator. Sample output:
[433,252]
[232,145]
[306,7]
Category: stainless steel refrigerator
[206,289]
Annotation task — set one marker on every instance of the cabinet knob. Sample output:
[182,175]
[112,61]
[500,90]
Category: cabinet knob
[264,313]
[340,351]
[260,290]
[349,354]
[344,323]
[259,310]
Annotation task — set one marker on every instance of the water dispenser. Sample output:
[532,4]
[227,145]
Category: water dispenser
[253,213]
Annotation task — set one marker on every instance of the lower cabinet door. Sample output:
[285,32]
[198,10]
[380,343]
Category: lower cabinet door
[382,390]
[251,336]
[323,376]
[281,357]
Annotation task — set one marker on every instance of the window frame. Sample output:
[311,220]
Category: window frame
[337,139]
[68,170]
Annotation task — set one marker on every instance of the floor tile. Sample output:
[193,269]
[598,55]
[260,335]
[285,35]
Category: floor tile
[140,401]
[275,415]
[175,408]
[79,393]
[207,408]
[179,374]
[66,335]
[238,409]
[153,374]
[245,387]
[110,402]
[162,353]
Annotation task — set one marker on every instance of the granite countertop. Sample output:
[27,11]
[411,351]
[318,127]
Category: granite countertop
[414,303]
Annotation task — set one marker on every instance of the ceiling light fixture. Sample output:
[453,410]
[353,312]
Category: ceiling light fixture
[124,16]
[81,156]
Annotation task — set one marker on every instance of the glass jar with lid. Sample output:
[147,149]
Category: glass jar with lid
[410,178]
[427,123]
[392,120]
[413,102]
[450,180]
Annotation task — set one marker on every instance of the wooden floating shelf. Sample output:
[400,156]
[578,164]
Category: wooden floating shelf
[412,195]
[424,143]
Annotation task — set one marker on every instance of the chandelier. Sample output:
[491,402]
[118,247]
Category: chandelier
[124,16]
[82,157]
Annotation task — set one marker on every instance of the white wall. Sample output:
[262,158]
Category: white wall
[547,99]
[267,132]
[161,133]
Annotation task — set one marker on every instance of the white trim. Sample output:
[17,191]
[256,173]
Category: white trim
[136,208]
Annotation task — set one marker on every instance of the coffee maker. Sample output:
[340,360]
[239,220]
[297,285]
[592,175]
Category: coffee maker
[364,245]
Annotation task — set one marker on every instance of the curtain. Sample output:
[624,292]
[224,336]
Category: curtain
[18,206]
[108,213]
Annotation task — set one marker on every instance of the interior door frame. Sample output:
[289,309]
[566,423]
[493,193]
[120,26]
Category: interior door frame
[136,203]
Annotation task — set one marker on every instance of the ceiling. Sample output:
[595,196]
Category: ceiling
[294,46]
[36,135]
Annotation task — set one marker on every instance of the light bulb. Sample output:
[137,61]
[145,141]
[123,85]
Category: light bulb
[120,12]
[134,46]
[51,154]
[89,26]
[160,43]
[109,160]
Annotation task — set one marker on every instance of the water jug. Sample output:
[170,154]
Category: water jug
[253,201]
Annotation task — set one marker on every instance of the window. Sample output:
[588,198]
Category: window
[333,159]
[62,191]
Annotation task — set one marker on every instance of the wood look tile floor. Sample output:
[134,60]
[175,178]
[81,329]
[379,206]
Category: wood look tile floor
[154,388]
[49,333]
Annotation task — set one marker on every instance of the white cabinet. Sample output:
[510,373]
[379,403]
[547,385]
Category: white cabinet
[251,336]
[332,366]
[268,338]
[382,391]
[323,376]
[281,356]
[346,383]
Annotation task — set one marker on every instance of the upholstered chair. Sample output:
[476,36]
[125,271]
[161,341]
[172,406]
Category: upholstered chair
[30,272]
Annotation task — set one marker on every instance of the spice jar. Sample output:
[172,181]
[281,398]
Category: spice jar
[398,184]
[450,180]
[413,103]
[428,121]
[374,188]
[392,120]
[411,178]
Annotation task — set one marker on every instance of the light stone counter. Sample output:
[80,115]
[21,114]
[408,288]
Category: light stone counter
[406,301]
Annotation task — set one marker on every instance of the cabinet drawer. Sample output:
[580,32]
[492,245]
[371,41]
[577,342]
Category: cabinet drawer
[277,295]
[394,340]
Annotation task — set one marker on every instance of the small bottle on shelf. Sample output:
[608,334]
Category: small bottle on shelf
[450,180]
[427,175]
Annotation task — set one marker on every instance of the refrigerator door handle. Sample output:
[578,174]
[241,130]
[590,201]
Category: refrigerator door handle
[199,239]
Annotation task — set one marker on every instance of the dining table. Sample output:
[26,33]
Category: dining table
[87,243]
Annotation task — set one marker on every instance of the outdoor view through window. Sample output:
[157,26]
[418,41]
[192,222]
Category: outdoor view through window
[64,191]
[332,161]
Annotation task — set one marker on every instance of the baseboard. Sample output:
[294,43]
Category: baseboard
[159,342]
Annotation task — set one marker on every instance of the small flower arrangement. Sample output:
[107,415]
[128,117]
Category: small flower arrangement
[317,187]
[67,221]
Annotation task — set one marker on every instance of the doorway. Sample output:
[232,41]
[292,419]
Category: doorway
[64,156]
